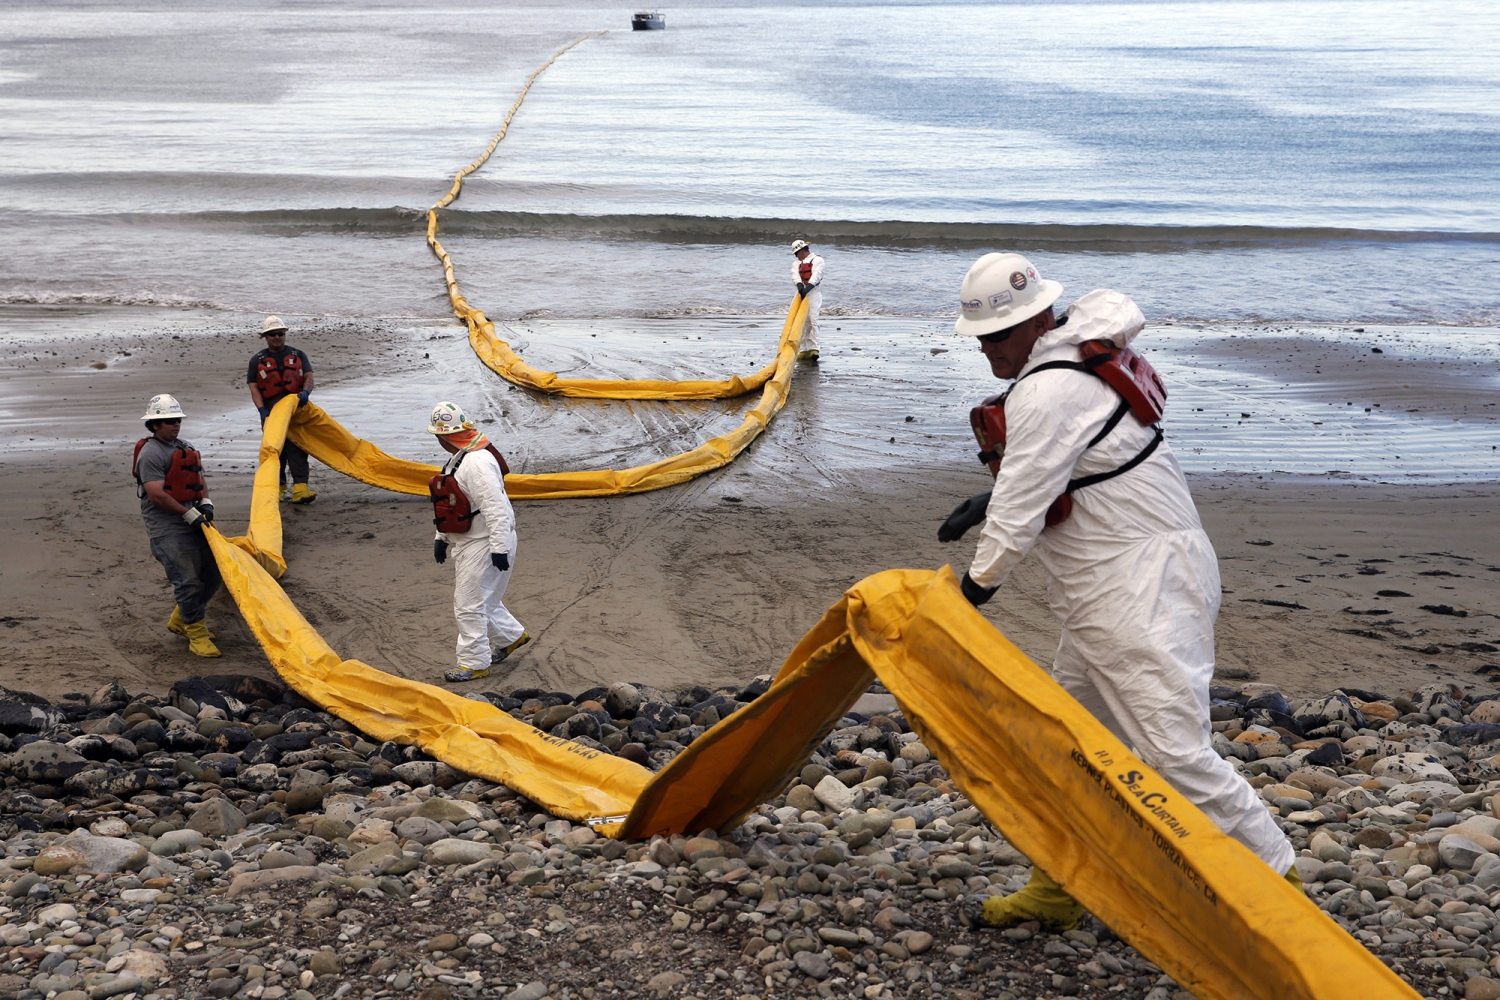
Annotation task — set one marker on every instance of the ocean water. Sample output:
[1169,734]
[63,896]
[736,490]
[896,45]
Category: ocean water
[1243,161]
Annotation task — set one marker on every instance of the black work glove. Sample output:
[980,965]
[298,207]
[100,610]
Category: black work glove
[439,551]
[976,594]
[265,411]
[965,516]
[500,560]
[206,508]
[302,398]
[193,518]
[802,289]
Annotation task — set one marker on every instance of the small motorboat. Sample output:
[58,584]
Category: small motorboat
[648,20]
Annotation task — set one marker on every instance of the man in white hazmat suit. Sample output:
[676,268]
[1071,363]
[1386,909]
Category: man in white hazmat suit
[807,272]
[474,519]
[1131,574]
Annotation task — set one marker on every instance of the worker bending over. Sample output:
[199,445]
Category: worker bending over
[1084,479]
[474,519]
[276,372]
[807,272]
[168,473]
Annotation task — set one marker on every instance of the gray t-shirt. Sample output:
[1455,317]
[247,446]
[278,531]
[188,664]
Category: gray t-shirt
[154,461]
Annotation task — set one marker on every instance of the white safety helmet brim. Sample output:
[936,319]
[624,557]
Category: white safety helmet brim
[799,245]
[447,418]
[163,407]
[273,324]
[1001,290]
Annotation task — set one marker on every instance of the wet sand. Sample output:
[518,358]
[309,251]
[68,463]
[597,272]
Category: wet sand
[716,580]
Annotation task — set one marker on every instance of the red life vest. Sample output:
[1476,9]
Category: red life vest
[184,479]
[804,269]
[1130,375]
[452,512]
[279,376]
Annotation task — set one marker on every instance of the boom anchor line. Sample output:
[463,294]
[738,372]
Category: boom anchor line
[1063,789]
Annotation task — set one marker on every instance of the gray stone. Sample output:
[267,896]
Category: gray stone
[108,855]
[176,842]
[531,991]
[1459,852]
[124,982]
[839,936]
[812,963]
[420,829]
[217,818]
[456,852]
[834,794]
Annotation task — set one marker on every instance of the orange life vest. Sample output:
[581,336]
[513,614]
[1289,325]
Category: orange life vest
[804,269]
[184,479]
[279,376]
[1141,392]
[452,512]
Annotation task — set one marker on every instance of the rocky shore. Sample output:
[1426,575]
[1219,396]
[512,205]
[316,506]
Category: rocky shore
[229,840]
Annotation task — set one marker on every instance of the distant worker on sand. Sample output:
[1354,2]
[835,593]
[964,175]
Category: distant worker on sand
[175,506]
[808,273]
[474,517]
[276,372]
[1084,479]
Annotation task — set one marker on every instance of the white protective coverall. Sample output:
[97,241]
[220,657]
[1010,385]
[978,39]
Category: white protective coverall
[812,275]
[1131,574]
[478,587]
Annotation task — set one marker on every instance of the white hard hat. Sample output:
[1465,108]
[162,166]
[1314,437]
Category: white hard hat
[1001,290]
[273,324]
[163,407]
[799,245]
[447,418]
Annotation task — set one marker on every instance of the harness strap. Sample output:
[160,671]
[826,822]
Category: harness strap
[1099,477]
[1111,423]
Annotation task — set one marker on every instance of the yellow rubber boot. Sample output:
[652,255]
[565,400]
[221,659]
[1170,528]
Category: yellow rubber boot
[175,624]
[301,494]
[1043,900]
[199,641]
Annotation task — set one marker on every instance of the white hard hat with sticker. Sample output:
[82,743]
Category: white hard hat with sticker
[447,418]
[163,407]
[799,245]
[1001,290]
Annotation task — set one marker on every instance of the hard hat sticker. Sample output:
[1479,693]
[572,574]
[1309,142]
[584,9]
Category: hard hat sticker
[969,304]
[999,299]
[1018,281]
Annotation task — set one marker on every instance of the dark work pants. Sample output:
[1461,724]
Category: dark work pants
[191,570]
[293,460]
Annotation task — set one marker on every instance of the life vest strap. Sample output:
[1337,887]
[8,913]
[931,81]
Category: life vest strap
[1099,477]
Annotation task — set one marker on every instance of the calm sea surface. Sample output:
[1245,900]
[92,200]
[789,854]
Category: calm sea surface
[1218,160]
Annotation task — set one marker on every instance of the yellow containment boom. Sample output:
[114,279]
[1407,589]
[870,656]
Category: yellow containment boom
[506,363]
[1063,789]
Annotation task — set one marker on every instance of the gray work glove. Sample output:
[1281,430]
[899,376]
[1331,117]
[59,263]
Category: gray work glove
[193,518]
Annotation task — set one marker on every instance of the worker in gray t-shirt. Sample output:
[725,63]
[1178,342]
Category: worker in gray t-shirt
[175,506]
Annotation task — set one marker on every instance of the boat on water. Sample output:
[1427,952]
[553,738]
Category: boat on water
[648,20]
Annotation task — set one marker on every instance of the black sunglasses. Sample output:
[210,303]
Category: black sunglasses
[999,336]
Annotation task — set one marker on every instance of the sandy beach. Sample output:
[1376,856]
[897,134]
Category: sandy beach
[714,581]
